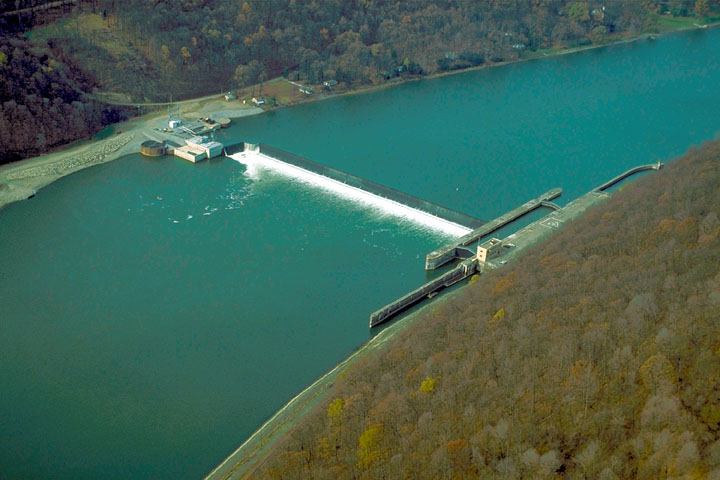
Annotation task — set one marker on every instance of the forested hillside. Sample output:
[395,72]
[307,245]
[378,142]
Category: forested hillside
[596,355]
[206,43]
[40,103]
[161,50]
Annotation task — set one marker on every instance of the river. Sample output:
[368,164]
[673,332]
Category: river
[156,312]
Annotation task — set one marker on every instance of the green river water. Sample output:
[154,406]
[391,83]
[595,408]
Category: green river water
[155,312]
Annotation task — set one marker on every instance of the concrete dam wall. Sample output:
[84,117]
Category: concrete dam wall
[360,183]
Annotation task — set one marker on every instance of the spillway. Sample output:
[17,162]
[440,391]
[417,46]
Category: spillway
[353,187]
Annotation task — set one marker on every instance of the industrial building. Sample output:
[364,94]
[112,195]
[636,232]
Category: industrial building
[210,147]
[199,148]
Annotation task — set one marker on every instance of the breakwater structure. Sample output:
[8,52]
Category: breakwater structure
[332,178]
[624,175]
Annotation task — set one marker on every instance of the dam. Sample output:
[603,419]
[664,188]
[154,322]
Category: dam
[466,228]
[495,253]
[401,203]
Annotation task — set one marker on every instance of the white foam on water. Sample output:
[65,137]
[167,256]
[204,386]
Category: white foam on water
[255,161]
[253,168]
[378,238]
[236,192]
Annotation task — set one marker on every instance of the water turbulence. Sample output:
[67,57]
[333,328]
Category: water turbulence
[433,216]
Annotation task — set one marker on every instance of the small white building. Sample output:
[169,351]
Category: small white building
[490,249]
[210,148]
[174,123]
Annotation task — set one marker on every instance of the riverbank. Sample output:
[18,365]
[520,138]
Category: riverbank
[244,461]
[539,54]
[21,180]
[249,456]
[144,301]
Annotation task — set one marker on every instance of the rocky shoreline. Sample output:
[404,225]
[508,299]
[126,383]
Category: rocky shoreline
[65,166]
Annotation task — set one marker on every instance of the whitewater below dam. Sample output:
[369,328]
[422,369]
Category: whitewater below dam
[156,312]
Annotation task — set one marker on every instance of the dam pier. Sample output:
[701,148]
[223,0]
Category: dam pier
[465,269]
[453,251]
[472,261]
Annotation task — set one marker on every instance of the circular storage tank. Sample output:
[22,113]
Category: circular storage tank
[224,122]
[151,148]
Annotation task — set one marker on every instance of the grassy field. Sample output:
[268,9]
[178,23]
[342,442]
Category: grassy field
[120,67]
[282,91]
[668,23]
[89,27]
[278,89]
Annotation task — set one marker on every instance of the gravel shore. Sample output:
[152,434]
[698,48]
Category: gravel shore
[21,180]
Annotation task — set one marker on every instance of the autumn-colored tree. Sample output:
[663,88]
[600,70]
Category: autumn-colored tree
[601,361]
[701,8]
[428,385]
[370,450]
[579,12]
[185,53]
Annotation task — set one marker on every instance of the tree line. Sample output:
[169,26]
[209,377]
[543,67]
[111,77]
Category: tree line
[596,355]
[358,41]
[40,107]
[161,49]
